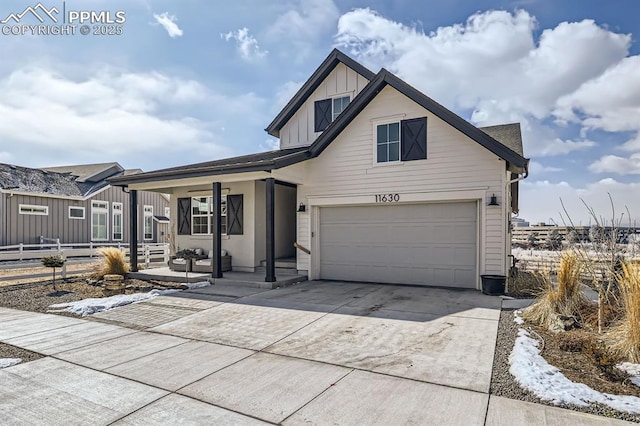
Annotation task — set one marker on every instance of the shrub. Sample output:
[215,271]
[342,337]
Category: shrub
[564,299]
[526,284]
[112,262]
[624,337]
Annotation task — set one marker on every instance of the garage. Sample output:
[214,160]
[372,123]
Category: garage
[432,244]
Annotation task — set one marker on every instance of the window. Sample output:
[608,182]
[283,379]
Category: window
[327,110]
[76,212]
[339,105]
[167,212]
[33,210]
[202,215]
[116,220]
[148,222]
[99,225]
[388,142]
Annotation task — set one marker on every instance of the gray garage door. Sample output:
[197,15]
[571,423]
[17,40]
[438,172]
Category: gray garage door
[424,244]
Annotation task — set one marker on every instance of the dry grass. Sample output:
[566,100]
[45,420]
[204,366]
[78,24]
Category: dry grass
[624,337]
[564,299]
[526,284]
[112,262]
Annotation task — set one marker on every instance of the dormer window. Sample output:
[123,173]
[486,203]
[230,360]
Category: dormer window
[339,105]
[327,110]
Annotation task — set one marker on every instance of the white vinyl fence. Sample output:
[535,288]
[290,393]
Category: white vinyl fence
[147,253]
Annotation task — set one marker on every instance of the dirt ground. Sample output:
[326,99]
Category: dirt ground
[73,270]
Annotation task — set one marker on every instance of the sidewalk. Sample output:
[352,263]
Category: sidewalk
[134,365]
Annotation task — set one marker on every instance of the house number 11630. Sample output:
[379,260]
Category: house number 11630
[387,198]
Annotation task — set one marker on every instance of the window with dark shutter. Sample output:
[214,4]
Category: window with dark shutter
[322,115]
[234,214]
[413,137]
[184,216]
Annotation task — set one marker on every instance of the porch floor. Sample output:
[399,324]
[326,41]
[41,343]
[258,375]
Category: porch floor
[284,277]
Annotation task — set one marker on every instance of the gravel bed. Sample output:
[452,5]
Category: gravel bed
[8,351]
[503,384]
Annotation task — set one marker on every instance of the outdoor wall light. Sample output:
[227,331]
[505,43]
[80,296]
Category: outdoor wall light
[302,208]
[493,201]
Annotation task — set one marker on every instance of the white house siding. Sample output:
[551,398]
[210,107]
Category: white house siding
[299,130]
[455,163]
[240,247]
[304,239]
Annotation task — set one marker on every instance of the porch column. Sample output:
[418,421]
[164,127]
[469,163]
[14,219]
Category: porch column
[216,226]
[270,191]
[133,229]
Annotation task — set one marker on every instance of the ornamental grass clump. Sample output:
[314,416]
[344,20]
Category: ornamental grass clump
[112,262]
[623,338]
[564,299]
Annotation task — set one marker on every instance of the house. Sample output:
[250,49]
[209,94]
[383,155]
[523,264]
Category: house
[75,204]
[373,182]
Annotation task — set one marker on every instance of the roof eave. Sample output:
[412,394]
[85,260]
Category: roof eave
[262,166]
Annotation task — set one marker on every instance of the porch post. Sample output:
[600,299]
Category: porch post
[133,229]
[270,231]
[216,226]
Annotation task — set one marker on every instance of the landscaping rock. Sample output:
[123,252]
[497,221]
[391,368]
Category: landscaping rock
[113,277]
[561,323]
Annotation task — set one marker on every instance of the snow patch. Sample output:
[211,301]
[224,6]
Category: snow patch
[517,318]
[632,370]
[192,286]
[91,306]
[535,374]
[9,362]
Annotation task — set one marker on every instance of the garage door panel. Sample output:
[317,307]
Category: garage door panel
[425,244]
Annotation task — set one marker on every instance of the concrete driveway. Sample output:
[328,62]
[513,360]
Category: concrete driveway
[315,353]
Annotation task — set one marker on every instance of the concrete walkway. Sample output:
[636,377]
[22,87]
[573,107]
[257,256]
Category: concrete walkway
[315,353]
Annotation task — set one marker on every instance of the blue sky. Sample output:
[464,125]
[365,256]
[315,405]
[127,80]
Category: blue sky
[194,81]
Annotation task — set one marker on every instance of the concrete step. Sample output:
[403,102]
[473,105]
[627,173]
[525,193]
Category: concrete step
[282,263]
[282,281]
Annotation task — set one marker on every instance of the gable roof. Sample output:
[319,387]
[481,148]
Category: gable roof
[64,181]
[504,140]
[38,181]
[515,162]
[318,76]
[88,172]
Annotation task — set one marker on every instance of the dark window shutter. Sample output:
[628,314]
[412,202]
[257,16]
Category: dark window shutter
[184,216]
[322,114]
[234,214]
[413,137]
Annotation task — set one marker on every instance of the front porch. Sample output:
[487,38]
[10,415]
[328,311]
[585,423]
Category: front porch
[251,218]
[285,276]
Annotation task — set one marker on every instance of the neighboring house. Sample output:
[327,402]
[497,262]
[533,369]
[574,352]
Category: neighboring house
[376,180]
[74,204]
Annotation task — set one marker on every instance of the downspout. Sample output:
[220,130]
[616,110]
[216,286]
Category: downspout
[508,231]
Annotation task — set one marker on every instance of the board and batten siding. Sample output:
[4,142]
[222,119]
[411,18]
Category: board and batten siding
[27,229]
[299,130]
[454,163]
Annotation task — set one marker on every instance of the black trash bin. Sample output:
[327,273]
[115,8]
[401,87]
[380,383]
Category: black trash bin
[493,285]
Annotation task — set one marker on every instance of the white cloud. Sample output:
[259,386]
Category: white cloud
[540,200]
[168,22]
[303,22]
[536,168]
[247,44]
[491,64]
[270,144]
[611,101]
[285,92]
[618,165]
[141,118]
